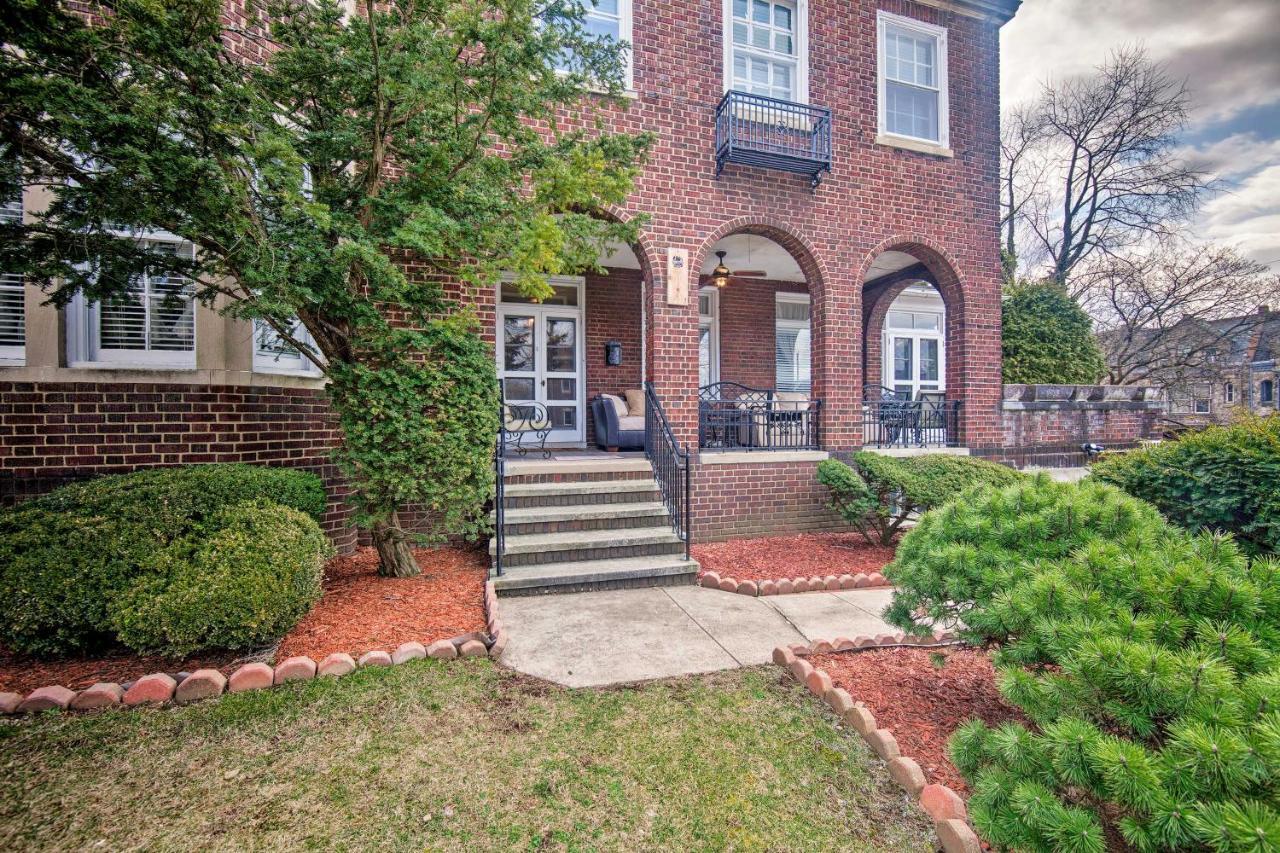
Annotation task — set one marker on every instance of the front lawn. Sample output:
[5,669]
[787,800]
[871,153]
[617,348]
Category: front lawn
[458,755]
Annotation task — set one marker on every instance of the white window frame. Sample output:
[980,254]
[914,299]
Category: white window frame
[911,303]
[14,355]
[793,325]
[1184,401]
[883,21]
[711,322]
[83,329]
[265,361]
[625,33]
[801,36]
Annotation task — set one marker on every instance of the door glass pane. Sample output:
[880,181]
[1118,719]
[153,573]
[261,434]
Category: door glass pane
[902,358]
[563,417]
[899,319]
[562,345]
[928,360]
[517,346]
[562,389]
[704,355]
[517,389]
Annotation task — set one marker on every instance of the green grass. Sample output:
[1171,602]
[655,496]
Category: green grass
[457,756]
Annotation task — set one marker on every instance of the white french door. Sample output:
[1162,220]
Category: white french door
[539,351]
[912,364]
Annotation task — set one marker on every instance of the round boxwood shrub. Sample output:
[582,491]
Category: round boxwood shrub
[243,583]
[66,555]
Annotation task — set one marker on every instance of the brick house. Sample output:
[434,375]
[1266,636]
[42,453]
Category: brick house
[838,160]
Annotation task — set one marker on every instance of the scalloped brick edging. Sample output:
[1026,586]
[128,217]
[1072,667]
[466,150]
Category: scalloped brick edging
[161,688]
[941,803]
[786,586]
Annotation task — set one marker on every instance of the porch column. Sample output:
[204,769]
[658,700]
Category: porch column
[837,359]
[671,348]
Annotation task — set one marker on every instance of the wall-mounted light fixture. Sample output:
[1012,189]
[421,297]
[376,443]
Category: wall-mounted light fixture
[613,353]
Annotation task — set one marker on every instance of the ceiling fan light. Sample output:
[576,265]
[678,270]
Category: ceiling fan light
[720,275]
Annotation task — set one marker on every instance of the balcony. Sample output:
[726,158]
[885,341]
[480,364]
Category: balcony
[754,130]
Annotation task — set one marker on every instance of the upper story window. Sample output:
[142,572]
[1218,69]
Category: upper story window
[608,19]
[273,354]
[913,79]
[151,324]
[766,52]
[13,324]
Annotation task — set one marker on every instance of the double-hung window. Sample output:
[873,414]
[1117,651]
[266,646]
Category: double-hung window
[13,330]
[766,48]
[152,323]
[913,79]
[610,19]
[273,354]
[791,343]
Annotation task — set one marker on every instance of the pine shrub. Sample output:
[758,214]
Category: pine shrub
[244,584]
[1147,658]
[1223,478]
[879,493]
[65,556]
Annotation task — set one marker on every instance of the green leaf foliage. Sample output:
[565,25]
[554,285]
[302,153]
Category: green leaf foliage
[1047,338]
[877,494]
[1222,478]
[64,557]
[367,174]
[242,582]
[1147,657]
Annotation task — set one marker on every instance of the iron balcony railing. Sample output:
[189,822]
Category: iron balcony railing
[893,422]
[755,130]
[670,466]
[732,416]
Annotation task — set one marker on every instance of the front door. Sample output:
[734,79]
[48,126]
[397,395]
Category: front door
[540,361]
[913,364]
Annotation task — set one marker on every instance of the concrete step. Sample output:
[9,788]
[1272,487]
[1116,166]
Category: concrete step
[588,575]
[588,466]
[579,492]
[577,546]
[580,517]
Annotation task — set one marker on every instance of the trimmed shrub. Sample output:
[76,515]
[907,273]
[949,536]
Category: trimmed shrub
[879,493]
[66,555]
[1148,658]
[1047,338]
[242,584]
[1222,478]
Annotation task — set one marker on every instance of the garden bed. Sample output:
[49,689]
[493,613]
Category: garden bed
[922,696]
[359,611]
[803,555]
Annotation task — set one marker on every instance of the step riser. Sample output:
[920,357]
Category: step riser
[570,499]
[684,579]
[657,520]
[594,477]
[581,554]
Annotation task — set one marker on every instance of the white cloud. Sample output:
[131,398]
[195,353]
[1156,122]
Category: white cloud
[1236,156]
[1248,217]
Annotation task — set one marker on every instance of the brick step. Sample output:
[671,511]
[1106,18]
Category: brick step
[579,492]
[583,576]
[578,546]
[588,477]
[563,519]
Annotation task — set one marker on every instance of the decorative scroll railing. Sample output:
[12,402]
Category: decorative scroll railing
[732,416]
[893,422]
[771,133]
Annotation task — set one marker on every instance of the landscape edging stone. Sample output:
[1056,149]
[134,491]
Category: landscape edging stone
[790,586]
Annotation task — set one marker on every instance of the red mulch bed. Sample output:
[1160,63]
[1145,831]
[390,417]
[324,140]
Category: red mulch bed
[805,555]
[359,612]
[920,702]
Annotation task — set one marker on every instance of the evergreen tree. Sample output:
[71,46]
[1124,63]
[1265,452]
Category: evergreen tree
[422,130]
[1047,338]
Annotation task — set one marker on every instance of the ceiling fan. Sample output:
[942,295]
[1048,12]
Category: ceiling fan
[721,275]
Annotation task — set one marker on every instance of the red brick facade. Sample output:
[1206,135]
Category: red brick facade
[741,500]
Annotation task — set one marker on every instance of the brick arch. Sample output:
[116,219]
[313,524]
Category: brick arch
[643,248]
[796,244]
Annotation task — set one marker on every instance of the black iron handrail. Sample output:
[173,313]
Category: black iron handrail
[895,422]
[499,494]
[670,466]
[756,130]
[733,416]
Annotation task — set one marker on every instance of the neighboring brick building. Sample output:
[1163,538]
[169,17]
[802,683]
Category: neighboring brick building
[886,273]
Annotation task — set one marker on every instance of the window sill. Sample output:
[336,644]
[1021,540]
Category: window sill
[167,367]
[300,374]
[917,145]
[13,362]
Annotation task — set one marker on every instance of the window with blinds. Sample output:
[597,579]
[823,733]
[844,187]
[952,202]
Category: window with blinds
[13,314]
[791,344]
[156,314]
[273,354]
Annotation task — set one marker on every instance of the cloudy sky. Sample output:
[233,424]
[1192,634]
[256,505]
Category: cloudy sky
[1229,52]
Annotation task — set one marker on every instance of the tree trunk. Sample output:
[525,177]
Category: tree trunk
[394,554]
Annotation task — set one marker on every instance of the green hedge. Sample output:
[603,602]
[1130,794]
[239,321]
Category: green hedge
[242,585]
[1147,658]
[879,493]
[65,556]
[1223,478]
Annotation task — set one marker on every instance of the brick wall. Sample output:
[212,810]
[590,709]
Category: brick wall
[56,433]
[758,499]
[614,303]
[747,317]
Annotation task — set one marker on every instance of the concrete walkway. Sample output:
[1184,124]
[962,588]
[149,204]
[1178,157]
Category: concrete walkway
[597,638]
